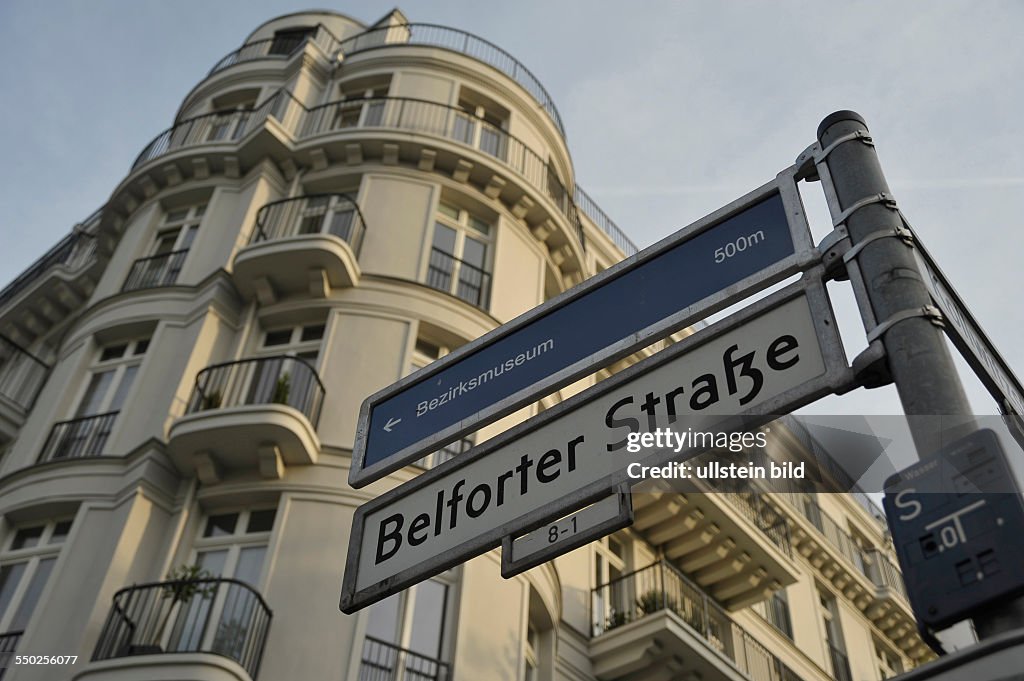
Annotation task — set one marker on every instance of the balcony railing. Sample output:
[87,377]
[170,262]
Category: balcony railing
[336,214]
[387,662]
[219,616]
[422,116]
[155,271]
[22,374]
[764,517]
[886,575]
[840,664]
[433,35]
[281,379]
[605,223]
[216,127]
[78,438]
[278,47]
[661,587]
[447,273]
[8,646]
[73,251]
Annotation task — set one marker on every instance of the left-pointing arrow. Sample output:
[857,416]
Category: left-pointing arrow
[391,424]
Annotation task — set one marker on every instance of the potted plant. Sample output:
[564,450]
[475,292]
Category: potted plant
[653,601]
[211,400]
[282,389]
[184,583]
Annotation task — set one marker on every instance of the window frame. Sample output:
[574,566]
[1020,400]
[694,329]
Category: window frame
[462,224]
[31,557]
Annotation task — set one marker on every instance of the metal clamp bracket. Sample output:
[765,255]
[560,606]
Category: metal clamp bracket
[929,311]
[884,198]
[899,232]
[862,135]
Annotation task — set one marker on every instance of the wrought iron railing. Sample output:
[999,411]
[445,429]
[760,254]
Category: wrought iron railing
[434,118]
[281,379]
[78,438]
[433,35]
[74,251]
[447,273]
[661,587]
[764,517]
[22,374]
[8,645]
[219,616]
[217,127]
[336,214]
[155,271]
[836,536]
[278,47]
[605,223]
[384,661]
[840,664]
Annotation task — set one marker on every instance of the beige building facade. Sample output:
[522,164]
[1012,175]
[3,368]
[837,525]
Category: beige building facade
[336,205]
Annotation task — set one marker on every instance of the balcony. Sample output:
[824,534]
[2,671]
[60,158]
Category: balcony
[280,47]
[302,245]
[8,645]
[22,375]
[655,621]
[155,271]
[78,438]
[433,35]
[253,414]
[459,278]
[733,545]
[603,222]
[54,286]
[423,117]
[387,662]
[222,617]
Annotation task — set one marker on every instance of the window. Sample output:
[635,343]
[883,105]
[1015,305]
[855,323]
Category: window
[460,256]
[829,613]
[288,40]
[106,391]
[217,618]
[611,603]
[328,214]
[25,567]
[362,102]
[230,115]
[286,370]
[861,553]
[776,612]
[538,648]
[483,124]
[889,663]
[415,620]
[173,240]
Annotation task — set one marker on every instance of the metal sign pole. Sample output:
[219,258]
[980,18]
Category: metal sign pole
[902,316]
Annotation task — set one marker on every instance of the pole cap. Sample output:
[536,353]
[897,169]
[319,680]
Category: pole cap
[844,115]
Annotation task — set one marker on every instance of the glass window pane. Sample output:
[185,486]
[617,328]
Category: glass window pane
[113,352]
[190,236]
[27,537]
[428,619]
[312,333]
[250,563]
[123,387]
[444,238]
[479,225]
[165,243]
[382,623]
[474,252]
[176,215]
[281,337]
[32,594]
[141,347]
[449,210]
[221,525]
[261,521]
[341,224]
[60,532]
[213,561]
[10,577]
[199,210]
[99,384]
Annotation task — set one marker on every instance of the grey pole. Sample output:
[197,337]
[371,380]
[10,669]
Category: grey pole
[918,357]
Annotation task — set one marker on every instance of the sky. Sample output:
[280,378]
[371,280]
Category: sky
[672,109]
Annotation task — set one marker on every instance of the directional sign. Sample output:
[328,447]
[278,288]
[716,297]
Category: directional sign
[571,532]
[749,244]
[969,339]
[774,356]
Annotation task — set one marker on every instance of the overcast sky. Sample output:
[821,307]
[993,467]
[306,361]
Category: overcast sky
[672,109]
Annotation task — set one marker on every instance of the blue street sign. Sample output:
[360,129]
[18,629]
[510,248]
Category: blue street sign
[752,243]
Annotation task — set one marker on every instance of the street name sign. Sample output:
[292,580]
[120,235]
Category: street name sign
[774,356]
[601,518]
[968,337]
[758,240]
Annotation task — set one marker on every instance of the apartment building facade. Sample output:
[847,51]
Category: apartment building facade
[335,205]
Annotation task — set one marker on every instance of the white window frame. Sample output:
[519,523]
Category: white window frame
[131,358]
[31,556]
[603,562]
[466,225]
